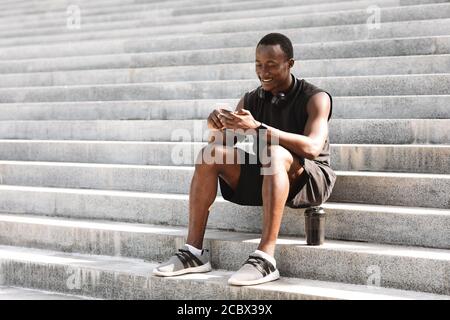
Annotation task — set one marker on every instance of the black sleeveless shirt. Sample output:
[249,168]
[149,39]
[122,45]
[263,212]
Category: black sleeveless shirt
[292,116]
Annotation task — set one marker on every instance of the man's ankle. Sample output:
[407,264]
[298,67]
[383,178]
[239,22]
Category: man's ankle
[194,250]
[266,256]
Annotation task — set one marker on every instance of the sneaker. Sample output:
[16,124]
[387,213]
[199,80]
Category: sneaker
[184,262]
[255,270]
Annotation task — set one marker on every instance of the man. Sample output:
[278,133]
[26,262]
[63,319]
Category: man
[291,111]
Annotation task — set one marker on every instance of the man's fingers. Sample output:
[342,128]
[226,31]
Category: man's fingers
[216,121]
[243,111]
[227,116]
[230,124]
[223,118]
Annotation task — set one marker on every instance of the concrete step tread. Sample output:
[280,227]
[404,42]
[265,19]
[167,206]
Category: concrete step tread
[397,46]
[420,158]
[96,13]
[227,82]
[193,10]
[176,196]
[345,107]
[217,25]
[242,52]
[140,268]
[173,101]
[219,66]
[196,5]
[364,131]
[175,143]
[429,84]
[330,245]
[169,7]
[138,31]
[418,226]
[15,293]
[235,38]
[375,187]
[46,10]
[425,64]
[191,169]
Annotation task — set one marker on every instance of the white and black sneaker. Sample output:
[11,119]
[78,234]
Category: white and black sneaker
[255,270]
[184,262]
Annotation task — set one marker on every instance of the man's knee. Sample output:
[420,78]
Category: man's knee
[278,157]
[215,155]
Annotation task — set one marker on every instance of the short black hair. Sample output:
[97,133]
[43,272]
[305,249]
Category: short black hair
[273,39]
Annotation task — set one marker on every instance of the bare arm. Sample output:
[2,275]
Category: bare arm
[240,105]
[311,143]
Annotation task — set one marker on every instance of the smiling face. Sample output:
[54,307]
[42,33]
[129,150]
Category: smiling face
[273,68]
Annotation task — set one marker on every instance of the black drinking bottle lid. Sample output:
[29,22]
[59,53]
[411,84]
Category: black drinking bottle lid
[314,211]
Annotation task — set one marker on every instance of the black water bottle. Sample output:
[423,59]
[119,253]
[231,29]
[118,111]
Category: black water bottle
[315,226]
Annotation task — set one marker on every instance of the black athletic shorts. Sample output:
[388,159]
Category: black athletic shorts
[313,187]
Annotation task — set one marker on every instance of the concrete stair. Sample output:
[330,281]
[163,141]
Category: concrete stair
[101,125]
[435,84]
[24,61]
[420,28]
[375,223]
[194,31]
[310,68]
[412,158]
[347,107]
[127,16]
[379,131]
[388,14]
[15,293]
[124,278]
[422,190]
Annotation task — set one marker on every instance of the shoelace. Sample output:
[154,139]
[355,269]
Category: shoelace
[261,264]
[188,258]
[182,252]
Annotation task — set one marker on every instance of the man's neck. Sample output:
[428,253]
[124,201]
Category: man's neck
[285,88]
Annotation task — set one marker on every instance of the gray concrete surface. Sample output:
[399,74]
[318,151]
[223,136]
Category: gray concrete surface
[120,278]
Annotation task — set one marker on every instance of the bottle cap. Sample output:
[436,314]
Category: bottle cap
[315,211]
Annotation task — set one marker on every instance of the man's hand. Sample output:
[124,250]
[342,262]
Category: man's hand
[214,121]
[241,119]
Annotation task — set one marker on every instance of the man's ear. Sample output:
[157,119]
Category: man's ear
[291,63]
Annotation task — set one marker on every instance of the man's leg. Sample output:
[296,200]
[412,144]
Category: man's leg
[202,194]
[203,189]
[285,169]
[280,173]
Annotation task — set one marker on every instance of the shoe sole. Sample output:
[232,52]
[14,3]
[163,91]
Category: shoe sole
[200,269]
[270,277]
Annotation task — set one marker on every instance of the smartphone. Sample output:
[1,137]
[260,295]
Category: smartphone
[227,113]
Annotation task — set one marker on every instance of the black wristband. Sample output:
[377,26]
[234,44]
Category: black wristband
[262,126]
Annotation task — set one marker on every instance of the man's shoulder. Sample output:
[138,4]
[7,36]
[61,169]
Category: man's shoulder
[252,93]
[250,98]
[309,93]
[309,88]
